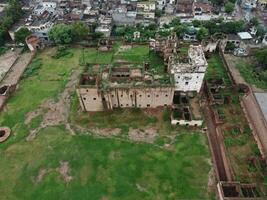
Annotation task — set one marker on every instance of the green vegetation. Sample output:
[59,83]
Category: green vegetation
[104,168]
[252,73]
[229,7]
[21,35]
[12,13]
[216,69]
[3,50]
[32,69]
[113,168]
[44,79]
[238,137]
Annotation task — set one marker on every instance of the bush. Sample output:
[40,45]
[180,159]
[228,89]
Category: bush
[32,68]
[62,51]
[166,115]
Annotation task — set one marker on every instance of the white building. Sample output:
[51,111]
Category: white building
[45,6]
[189,72]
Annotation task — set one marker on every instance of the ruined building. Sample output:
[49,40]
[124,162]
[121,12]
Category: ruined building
[164,47]
[125,85]
[189,71]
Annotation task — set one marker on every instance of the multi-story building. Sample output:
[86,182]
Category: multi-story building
[146,10]
[124,86]
[189,71]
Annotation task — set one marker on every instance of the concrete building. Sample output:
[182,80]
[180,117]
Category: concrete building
[189,71]
[146,11]
[125,86]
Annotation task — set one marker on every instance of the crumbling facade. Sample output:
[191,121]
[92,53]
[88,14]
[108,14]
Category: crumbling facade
[188,71]
[125,86]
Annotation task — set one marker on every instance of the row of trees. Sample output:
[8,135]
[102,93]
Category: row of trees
[66,34]
[12,13]
[205,28]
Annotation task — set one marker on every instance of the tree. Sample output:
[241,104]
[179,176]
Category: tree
[80,31]
[158,13]
[261,31]
[176,21]
[202,33]
[254,21]
[61,34]
[229,7]
[21,35]
[261,57]
[196,23]
[232,26]
[180,30]
[229,46]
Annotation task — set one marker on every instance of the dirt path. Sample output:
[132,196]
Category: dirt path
[14,74]
[56,112]
[6,62]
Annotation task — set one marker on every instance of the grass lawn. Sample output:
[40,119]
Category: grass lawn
[216,69]
[247,70]
[101,168]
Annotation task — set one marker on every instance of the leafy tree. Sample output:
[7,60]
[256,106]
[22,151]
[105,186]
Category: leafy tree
[232,26]
[14,9]
[175,22]
[202,33]
[158,13]
[254,21]
[21,35]
[7,22]
[80,30]
[261,57]
[97,35]
[217,2]
[229,46]
[11,14]
[229,7]
[261,31]
[196,23]
[180,30]
[61,34]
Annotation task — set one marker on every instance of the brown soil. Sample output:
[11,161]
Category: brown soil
[147,135]
[31,115]
[63,169]
[57,112]
[41,174]
[108,132]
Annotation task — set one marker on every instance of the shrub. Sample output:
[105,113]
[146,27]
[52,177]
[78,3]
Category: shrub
[32,68]
[166,115]
[62,51]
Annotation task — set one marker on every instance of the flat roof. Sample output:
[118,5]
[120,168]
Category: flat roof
[262,101]
[244,35]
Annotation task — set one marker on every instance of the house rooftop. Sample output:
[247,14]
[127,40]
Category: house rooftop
[244,35]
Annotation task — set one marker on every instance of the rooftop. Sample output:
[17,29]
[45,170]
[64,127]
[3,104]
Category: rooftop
[244,35]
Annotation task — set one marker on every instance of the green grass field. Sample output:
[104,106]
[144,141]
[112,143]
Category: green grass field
[101,168]
[247,69]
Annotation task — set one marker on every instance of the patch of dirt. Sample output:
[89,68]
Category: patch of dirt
[31,115]
[140,188]
[63,170]
[114,155]
[156,112]
[57,112]
[108,132]
[137,135]
[41,174]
